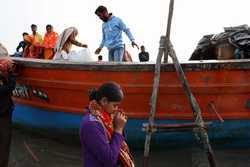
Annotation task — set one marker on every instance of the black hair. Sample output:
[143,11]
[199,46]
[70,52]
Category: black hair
[100,57]
[25,33]
[111,90]
[49,25]
[33,25]
[100,9]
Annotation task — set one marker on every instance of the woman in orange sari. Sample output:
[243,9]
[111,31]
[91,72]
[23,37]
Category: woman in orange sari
[49,42]
[101,131]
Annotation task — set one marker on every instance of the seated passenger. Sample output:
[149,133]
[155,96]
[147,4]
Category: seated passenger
[28,46]
[49,42]
[36,44]
[99,58]
[64,43]
[22,45]
[143,55]
[127,57]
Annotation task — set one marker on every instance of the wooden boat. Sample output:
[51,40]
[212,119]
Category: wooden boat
[51,95]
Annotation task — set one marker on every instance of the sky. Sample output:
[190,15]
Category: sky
[147,20]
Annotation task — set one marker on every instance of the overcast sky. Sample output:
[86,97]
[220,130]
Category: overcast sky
[147,20]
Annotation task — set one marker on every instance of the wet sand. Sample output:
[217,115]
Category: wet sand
[32,150]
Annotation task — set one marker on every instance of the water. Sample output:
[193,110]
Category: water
[32,150]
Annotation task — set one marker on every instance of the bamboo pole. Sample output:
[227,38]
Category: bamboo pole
[156,85]
[153,102]
[201,131]
[172,127]
[170,15]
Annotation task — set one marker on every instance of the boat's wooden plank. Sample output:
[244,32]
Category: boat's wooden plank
[136,66]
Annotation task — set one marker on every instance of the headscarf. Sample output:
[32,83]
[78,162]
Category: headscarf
[125,157]
[63,37]
[3,51]
[6,63]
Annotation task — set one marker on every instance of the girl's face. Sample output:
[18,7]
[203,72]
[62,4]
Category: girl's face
[109,106]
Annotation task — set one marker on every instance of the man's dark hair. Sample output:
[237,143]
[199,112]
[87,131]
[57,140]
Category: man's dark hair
[49,25]
[25,33]
[111,90]
[33,25]
[101,9]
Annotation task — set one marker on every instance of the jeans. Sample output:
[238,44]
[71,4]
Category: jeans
[116,54]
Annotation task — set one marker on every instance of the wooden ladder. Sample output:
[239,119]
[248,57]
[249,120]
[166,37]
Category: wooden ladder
[198,126]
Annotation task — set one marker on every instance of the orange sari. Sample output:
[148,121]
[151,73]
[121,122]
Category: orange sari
[33,48]
[49,42]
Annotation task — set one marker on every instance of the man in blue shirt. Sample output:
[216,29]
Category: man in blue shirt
[112,29]
[22,45]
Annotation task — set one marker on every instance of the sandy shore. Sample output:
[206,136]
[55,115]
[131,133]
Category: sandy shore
[29,150]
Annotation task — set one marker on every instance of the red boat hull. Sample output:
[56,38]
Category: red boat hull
[222,87]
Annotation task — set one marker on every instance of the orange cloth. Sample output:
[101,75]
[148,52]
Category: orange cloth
[33,49]
[37,39]
[28,38]
[49,40]
[48,53]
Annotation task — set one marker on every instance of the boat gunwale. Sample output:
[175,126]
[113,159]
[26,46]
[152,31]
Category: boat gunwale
[204,65]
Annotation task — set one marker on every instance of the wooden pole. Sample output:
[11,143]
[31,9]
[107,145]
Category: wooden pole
[153,101]
[201,131]
[172,127]
[170,15]
[154,95]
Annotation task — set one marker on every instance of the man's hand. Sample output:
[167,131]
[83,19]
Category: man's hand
[98,50]
[134,44]
[120,120]
[84,45]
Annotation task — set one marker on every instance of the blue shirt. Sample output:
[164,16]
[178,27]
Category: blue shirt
[22,45]
[96,148]
[112,33]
